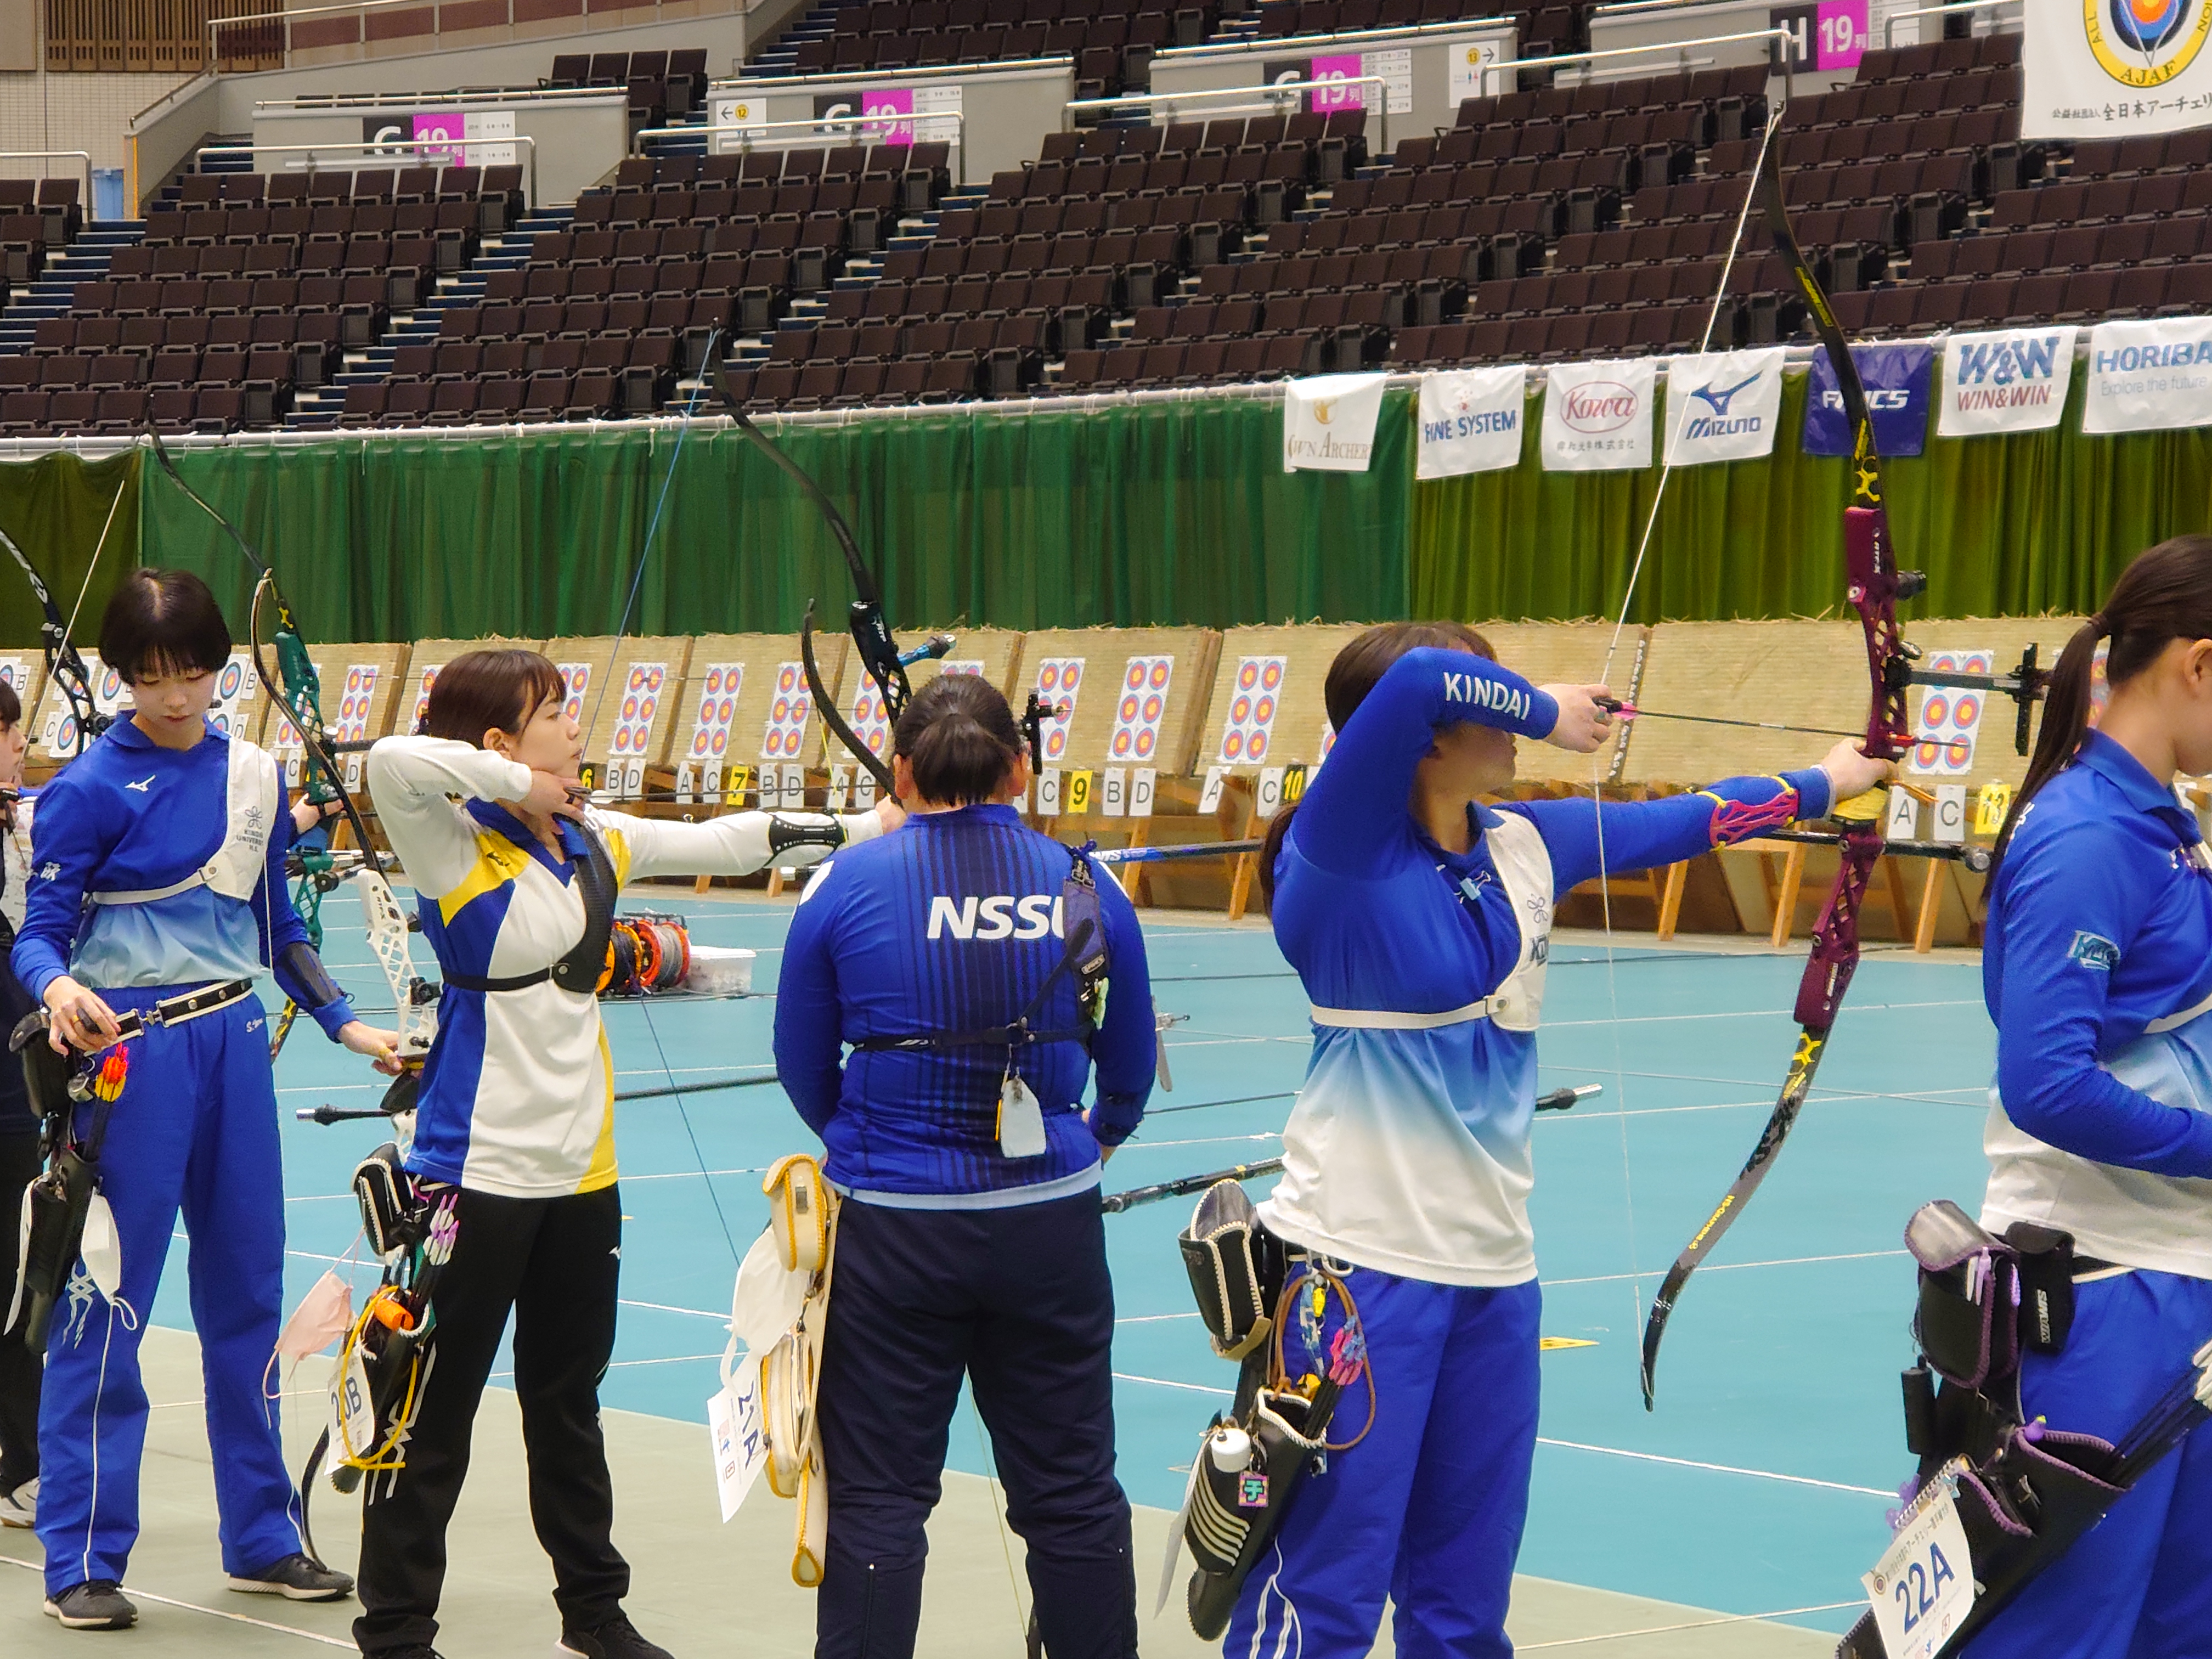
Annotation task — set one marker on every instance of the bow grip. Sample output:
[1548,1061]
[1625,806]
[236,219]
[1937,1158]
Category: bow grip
[1875,585]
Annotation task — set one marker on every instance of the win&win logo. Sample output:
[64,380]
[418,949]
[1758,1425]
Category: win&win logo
[2010,372]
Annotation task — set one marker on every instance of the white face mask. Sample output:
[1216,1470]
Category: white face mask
[101,1249]
[324,1315]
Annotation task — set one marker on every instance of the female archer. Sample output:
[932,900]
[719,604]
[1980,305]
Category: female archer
[1418,920]
[514,1119]
[158,890]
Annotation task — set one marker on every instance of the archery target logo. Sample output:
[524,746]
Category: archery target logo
[422,685]
[1255,698]
[641,703]
[577,677]
[787,714]
[964,666]
[870,721]
[353,704]
[718,707]
[2146,42]
[234,684]
[16,673]
[287,734]
[1950,716]
[1059,679]
[1142,707]
[107,687]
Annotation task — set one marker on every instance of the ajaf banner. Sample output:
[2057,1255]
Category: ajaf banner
[2110,69]
[1329,422]
[2144,377]
[1471,421]
[2014,381]
[1723,406]
[1597,415]
[1897,379]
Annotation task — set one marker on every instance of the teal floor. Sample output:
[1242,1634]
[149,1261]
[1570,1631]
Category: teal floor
[1759,1486]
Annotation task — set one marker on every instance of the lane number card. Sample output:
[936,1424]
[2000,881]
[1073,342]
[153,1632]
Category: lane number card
[1923,1588]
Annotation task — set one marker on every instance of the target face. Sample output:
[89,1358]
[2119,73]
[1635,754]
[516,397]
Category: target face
[718,707]
[1144,705]
[1248,729]
[641,705]
[787,714]
[354,703]
[1059,679]
[1949,717]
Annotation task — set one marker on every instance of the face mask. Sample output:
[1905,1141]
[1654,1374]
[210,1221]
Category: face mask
[324,1315]
[101,1249]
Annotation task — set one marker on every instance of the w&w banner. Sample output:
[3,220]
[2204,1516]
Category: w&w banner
[2111,69]
[2012,380]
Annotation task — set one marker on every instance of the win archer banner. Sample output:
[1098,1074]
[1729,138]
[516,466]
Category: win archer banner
[1897,379]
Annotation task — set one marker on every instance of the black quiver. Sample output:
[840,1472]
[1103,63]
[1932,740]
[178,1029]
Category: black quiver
[2026,1491]
[55,1203]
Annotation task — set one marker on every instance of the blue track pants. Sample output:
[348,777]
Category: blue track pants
[1427,1509]
[195,1132]
[2139,1584]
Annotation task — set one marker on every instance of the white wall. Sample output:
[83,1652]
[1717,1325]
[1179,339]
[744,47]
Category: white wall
[73,111]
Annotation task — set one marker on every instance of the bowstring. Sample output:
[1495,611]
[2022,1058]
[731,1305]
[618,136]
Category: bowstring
[1598,764]
[69,629]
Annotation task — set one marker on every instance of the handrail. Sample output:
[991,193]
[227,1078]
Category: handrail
[827,127]
[1277,90]
[440,147]
[364,8]
[1679,48]
[84,166]
[878,77]
[1622,8]
[1889,24]
[322,103]
[1407,32]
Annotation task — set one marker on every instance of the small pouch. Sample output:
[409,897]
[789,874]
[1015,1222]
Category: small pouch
[387,1195]
[1968,1319]
[2046,1286]
[1236,1268]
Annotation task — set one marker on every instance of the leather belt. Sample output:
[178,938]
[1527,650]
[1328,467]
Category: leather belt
[175,1011]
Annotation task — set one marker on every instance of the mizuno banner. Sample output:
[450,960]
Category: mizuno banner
[1724,406]
[2014,381]
[1597,415]
[2145,377]
[1897,379]
[1471,421]
[2111,69]
[1329,422]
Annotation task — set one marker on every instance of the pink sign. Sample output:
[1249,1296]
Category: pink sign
[880,110]
[442,132]
[1345,66]
[1839,34]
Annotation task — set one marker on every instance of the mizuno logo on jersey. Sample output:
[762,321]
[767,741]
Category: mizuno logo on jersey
[1487,694]
[141,785]
[1002,915]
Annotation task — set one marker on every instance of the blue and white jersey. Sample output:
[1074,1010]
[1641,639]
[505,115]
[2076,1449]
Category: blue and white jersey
[1408,1149]
[128,816]
[953,924]
[517,1098]
[2097,968]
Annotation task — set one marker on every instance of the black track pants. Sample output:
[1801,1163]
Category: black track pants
[554,1263]
[1018,1301]
[20,1368]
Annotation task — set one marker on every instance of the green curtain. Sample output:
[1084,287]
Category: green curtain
[2017,525]
[1161,513]
[70,517]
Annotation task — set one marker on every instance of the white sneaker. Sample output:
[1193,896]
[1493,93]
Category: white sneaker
[20,1507]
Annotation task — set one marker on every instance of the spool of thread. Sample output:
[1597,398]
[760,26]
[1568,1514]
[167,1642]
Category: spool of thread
[1229,1448]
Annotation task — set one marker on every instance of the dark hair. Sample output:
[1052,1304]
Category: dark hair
[163,621]
[1354,673]
[11,705]
[961,738]
[2165,595]
[479,690]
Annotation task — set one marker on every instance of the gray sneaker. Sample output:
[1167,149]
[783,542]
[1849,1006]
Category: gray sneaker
[20,1507]
[99,1604]
[296,1578]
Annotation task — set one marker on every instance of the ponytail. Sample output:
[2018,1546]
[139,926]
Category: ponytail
[2165,595]
[960,737]
[1358,669]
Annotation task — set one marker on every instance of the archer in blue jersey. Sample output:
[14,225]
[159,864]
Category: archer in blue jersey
[959,959]
[1420,922]
[2098,971]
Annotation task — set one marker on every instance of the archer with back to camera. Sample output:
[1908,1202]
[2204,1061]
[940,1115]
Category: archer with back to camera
[513,1147]
[157,895]
[966,963]
[2097,970]
[1418,920]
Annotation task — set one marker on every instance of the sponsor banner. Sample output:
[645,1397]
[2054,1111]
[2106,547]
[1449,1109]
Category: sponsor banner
[1824,34]
[1897,379]
[1329,422]
[1394,67]
[1471,421]
[1724,406]
[1597,415]
[2147,377]
[2012,380]
[891,115]
[2111,69]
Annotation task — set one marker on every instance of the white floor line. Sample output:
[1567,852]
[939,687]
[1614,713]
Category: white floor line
[1727,1266]
[194,1607]
[1155,1318]
[1187,1387]
[1695,1624]
[1719,1468]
